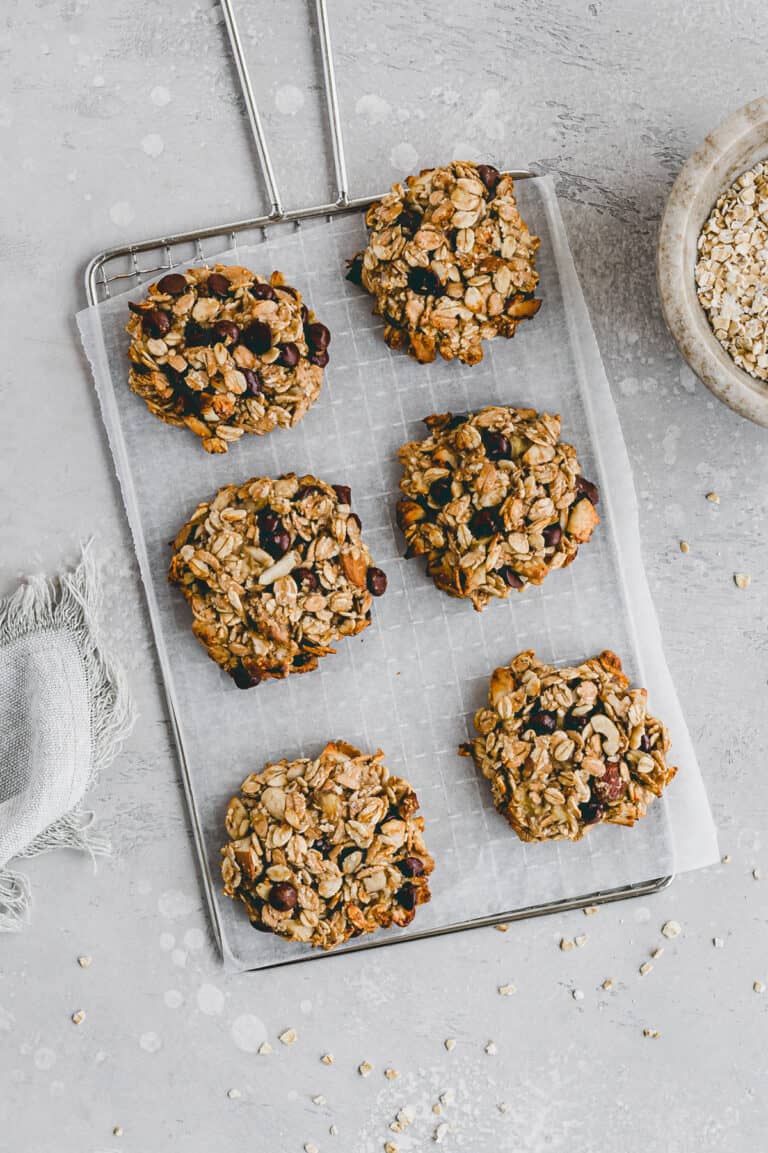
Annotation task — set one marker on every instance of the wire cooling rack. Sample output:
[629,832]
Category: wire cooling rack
[123,268]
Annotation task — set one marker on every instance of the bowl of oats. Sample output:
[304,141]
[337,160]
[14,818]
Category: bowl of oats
[712,261]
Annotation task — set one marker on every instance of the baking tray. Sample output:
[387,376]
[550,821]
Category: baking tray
[411,682]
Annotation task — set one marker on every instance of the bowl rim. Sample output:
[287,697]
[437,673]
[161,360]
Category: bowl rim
[683,313]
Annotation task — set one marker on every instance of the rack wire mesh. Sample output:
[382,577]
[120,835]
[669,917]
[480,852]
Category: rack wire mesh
[125,267]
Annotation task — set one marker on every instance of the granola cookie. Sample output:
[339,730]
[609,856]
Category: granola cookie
[324,850]
[224,351]
[275,571]
[494,500]
[450,262]
[565,749]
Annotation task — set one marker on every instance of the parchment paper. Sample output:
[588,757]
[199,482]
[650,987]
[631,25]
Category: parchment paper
[412,681]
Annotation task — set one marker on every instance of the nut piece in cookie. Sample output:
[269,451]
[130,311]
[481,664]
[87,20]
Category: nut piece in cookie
[275,571]
[450,262]
[327,849]
[494,500]
[223,351]
[565,749]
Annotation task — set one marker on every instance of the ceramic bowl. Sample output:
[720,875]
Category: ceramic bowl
[736,145]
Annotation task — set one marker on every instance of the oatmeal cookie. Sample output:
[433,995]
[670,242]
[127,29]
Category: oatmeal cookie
[565,749]
[223,351]
[275,571]
[450,262]
[324,850]
[494,500]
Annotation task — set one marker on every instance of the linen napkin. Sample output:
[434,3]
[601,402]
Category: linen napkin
[64,712]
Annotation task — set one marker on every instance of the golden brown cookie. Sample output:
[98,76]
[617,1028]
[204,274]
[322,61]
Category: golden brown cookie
[450,262]
[223,351]
[327,849]
[275,571]
[565,749]
[494,500]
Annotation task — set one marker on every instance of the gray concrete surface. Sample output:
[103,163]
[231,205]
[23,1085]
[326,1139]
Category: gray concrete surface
[120,120]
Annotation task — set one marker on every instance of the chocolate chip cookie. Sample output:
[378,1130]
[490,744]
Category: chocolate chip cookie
[223,351]
[327,849]
[565,749]
[275,571]
[494,500]
[450,262]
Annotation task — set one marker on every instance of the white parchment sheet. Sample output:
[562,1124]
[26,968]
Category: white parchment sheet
[412,681]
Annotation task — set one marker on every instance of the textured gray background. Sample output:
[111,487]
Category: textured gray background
[120,120]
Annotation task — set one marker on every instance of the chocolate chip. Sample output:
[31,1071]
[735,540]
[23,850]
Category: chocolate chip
[645,743]
[305,578]
[135,308]
[269,521]
[409,220]
[509,575]
[587,489]
[577,721]
[355,269]
[197,337]
[243,679]
[323,845]
[485,522]
[319,358]
[218,284]
[552,535]
[174,284]
[497,447]
[303,659]
[611,786]
[411,866]
[263,292]
[277,543]
[441,492]
[306,490]
[226,331]
[304,314]
[457,418]
[257,337]
[541,722]
[318,336]
[376,581]
[489,175]
[406,897]
[155,322]
[343,492]
[424,282]
[283,897]
[253,380]
[289,355]
[592,811]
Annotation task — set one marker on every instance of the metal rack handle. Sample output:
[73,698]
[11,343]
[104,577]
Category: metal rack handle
[331,100]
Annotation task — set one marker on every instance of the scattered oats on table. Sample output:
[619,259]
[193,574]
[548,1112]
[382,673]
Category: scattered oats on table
[507,990]
[566,944]
[78,1017]
[684,546]
[275,571]
[608,983]
[671,929]
[365,1068]
[758,987]
[742,580]
[654,1033]
[223,351]
[450,262]
[494,500]
[288,1036]
[322,850]
[713,498]
[491,1048]
[577,994]
[264,1048]
[85,962]
[732,270]
[449,1043]
[580,941]
[645,968]
[566,749]
[391,1074]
